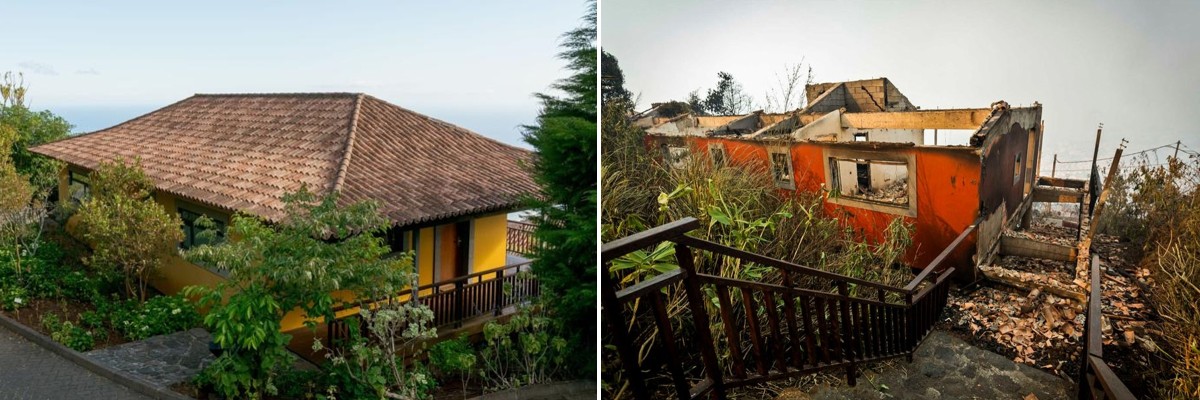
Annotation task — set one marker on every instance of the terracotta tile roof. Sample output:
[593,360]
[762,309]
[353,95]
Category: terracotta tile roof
[245,151]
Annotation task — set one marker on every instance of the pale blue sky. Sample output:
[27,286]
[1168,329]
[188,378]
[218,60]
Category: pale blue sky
[1135,66]
[475,63]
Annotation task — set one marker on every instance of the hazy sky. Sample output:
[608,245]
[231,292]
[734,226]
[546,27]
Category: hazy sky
[473,63]
[1133,66]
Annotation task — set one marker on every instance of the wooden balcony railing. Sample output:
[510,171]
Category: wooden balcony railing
[460,299]
[1096,379]
[520,238]
[792,331]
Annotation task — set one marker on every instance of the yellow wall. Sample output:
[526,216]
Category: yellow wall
[425,257]
[491,243]
[489,238]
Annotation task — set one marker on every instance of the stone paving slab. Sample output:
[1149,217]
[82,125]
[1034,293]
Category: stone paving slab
[161,360]
[946,367]
[28,371]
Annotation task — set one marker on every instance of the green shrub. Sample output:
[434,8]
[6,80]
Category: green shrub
[77,285]
[297,384]
[68,333]
[13,297]
[157,316]
[523,351]
[454,357]
[41,278]
[358,370]
[51,322]
[329,247]
[76,338]
[92,320]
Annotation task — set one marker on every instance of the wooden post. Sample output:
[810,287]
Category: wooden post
[612,315]
[1177,143]
[1099,205]
[910,342]
[849,337]
[696,302]
[500,292]
[458,304]
[1054,167]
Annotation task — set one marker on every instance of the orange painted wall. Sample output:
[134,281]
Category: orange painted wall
[947,191]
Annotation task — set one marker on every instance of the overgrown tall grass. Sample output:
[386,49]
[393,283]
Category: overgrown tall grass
[1159,206]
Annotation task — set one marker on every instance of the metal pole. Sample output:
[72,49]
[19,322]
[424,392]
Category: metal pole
[1177,142]
[1054,167]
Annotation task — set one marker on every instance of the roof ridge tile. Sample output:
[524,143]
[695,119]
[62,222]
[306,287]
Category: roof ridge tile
[349,149]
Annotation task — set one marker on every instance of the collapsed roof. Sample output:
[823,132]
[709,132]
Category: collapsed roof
[865,110]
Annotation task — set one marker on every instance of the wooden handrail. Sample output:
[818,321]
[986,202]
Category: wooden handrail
[648,285]
[1094,370]
[777,263]
[1094,340]
[791,331]
[791,290]
[937,262]
[519,237]
[1109,382]
[462,280]
[617,248]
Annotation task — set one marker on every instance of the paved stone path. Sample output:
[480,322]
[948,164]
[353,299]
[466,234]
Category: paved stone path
[28,371]
[946,367]
[161,360]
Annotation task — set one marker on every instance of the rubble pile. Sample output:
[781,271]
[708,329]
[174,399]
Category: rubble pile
[1043,326]
[1034,328]
[1046,233]
[894,192]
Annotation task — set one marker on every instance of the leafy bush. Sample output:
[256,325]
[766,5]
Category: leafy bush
[454,357]
[92,320]
[255,352]
[51,322]
[329,248]
[523,351]
[45,275]
[128,231]
[298,384]
[67,333]
[356,369]
[157,316]
[13,297]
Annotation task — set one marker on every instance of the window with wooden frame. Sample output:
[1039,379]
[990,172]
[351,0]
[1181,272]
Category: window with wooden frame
[716,154]
[879,181]
[781,168]
[192,231]
[78,186]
